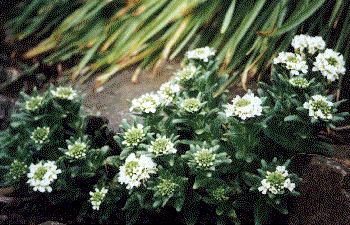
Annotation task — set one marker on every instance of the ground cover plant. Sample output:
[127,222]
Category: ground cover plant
[188,152]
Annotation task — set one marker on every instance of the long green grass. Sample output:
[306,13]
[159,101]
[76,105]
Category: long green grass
[108,36]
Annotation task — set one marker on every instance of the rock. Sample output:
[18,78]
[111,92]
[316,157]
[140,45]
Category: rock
[324,196]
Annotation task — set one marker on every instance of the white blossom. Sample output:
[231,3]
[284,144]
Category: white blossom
[289,185]
[264,186]
[201,53]
[299,82]
[64,93]
[311,44]
[191,105]
[275,182]
[33,103]
[293,62]
[40,135]
[42,175]
[319,107]
[244,107]
[186,74]
[205,157]
[134,135]
[77,150]
[162,145]
[330,63]
[136,170]
[146,103]
[97,197]
[167,92]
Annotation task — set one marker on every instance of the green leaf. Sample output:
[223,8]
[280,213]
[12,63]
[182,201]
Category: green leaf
[301,16]
[179,203]
[113,161]
[261,212]
[228,17]
[292,118]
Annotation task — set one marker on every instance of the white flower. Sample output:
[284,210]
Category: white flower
[42,175]
[136,170]
[77,150]
[168,92]
[293,62]
[282,170]
[97,197]
[264,186]
[273,190]
[146,103]
[40,134]
[133,136]
[201,53]
[34,103]
[276,181]
[312,44]
[319,107]
[186,73]
[315,44]
[288,184]
[191,105]
[331,64]
[245,107]
[299,82]
[64,93]
[162,145]
[205,157]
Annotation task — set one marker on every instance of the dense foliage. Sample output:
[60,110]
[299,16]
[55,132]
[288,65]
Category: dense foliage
[187,151]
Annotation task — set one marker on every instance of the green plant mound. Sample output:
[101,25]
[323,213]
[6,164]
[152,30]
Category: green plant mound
[187,153]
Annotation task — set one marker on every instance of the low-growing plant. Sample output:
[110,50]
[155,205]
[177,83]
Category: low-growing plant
[187,152]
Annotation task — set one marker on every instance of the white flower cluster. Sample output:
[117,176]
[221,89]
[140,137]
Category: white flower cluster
[136,170]
[40,134]
[34,103]
[64,93]
[293,62]
[77,150]
[191,105]
[319,107]
[201,53]
[133,136]
[245,107]
[276,182]
[167,92]
[146,103]
[205,157]
[161,146]
[97,197]
[330,64]
[299,82]
[312,44]
[186,74]
[42,175]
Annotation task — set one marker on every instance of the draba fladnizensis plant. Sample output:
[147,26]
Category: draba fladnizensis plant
[185,148]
